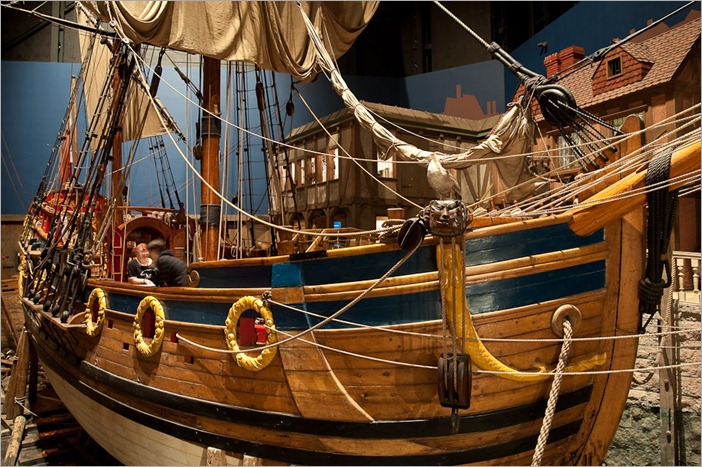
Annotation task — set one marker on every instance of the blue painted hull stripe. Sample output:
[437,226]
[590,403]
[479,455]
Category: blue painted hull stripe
[405,308]
[362,267]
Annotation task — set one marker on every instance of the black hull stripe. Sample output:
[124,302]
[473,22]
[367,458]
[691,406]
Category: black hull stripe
[411,429]
[383,429]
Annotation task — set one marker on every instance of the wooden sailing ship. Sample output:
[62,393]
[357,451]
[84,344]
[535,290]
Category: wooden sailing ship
[433,343]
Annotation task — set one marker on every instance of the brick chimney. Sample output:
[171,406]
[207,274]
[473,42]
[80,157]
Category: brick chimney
[552,64]
[559,61]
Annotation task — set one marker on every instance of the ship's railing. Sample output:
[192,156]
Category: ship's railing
[303,242]
[687,276]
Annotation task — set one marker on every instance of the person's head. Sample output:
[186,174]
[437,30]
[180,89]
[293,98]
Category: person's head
[141,252]
[156,247]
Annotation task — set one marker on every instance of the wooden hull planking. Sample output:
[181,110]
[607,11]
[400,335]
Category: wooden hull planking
[318,402]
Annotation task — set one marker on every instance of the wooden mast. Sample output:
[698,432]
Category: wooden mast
[211,133]
[117,150]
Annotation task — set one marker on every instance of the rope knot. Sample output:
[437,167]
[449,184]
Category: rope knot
[266,296]
[650,293]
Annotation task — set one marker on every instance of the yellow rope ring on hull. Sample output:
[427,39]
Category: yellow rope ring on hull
[266,356]
[149,303]
[94,328]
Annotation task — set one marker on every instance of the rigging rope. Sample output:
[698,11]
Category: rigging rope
[553,394]
[602,52]
[682,330]
[228,202]
[355,160]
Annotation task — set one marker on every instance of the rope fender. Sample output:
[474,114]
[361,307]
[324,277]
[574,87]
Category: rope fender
[149,303]
[96,296]
[265,357]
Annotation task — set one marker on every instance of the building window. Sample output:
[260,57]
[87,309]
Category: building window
[312,170]
[379,220]
[331,165]
[293,175]
[325,168]
[284,179]
[614,67]
[566,152]
[386,169]
[303,175]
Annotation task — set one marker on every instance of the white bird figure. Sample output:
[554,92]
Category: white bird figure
[441,180]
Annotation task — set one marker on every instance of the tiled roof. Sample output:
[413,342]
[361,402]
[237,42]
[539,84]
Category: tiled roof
[639,51]
[408,118]
[665,52]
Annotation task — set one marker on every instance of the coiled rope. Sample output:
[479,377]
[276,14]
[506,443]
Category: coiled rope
[661,216]
[553,394]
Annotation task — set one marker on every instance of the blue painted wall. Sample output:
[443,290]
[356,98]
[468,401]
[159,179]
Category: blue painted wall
[34,98]
[484,80]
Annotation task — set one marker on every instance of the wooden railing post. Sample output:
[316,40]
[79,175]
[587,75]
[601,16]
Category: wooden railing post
[686,264]
[695,263]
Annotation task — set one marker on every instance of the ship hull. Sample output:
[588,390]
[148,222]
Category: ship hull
[318,401]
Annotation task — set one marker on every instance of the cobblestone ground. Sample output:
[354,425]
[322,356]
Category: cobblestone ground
[637,441]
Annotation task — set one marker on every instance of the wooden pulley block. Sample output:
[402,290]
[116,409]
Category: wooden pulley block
[455,385]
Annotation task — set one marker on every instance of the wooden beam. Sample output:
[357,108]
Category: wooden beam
[6,316]
[251,461]
[210,155]
[668,378]
[599,210]
[18,378]
[15,445]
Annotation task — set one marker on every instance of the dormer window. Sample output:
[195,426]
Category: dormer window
[614,67]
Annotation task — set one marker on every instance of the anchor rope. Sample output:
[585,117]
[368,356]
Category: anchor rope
[597,372]
[433,367]
[553,394]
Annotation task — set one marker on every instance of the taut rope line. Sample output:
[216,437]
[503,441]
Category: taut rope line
[553,394]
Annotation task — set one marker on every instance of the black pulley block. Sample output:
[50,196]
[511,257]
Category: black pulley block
[411,233]
[557,104]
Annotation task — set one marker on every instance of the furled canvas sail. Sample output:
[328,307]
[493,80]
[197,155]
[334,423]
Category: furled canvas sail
[140,118]
[511,136]
[270,34]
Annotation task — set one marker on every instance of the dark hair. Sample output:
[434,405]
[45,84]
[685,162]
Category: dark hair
[159,245]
